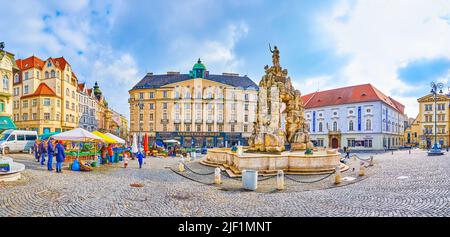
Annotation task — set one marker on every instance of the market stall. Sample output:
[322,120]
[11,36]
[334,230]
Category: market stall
[117,149]
[82,138]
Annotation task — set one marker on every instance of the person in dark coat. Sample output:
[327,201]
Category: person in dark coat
[60,156]
[42,151]
[36,150]
[50,153]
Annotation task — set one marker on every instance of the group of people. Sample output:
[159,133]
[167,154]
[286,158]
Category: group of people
[50,148]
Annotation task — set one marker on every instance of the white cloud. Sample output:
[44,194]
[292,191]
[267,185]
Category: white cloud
[218,53]
[382,36]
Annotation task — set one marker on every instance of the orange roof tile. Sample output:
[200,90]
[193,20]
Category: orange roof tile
[349,95]
[81,86]
[60,62]
[89,91]
[42,90]
[30,62]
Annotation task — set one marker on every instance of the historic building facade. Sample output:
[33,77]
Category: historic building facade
[360,117]
[87,110]
[8,70]
[198,109]
[426,120]
[51,84]
[412,133]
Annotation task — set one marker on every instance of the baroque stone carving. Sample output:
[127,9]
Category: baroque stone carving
[279,102]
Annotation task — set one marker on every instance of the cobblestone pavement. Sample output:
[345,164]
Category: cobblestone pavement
[423,191]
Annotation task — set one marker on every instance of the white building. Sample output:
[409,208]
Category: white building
[87,109]
[360,117]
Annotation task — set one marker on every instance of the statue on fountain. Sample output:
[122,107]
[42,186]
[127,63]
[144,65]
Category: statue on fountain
[280,112]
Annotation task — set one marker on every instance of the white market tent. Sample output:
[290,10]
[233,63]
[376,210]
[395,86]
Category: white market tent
[77,135]
[118,139]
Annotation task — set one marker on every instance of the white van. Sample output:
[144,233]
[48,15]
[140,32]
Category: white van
[17,141]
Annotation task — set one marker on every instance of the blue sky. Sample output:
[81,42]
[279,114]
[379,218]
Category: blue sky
[398,46]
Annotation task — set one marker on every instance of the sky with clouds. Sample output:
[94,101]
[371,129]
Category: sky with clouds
[399,46]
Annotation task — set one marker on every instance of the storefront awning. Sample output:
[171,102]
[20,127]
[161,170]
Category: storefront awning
[6,123]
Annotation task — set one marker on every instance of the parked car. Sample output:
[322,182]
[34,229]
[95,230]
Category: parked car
[17,141]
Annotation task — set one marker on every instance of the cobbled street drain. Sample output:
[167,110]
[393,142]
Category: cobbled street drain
[137,185]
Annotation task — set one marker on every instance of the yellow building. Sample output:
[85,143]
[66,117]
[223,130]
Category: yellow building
[198,108]
[412,133]
[426,120]
[8,69]
[45,95]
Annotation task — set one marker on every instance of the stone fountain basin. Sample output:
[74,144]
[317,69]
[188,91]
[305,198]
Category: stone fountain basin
[14,173]
[288,161]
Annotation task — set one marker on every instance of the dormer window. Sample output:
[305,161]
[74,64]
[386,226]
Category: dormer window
[49,64]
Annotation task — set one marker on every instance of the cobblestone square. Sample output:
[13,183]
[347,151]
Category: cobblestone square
[401,184]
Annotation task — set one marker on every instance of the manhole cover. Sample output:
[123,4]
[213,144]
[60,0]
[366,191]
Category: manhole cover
[348,179]
[402,177]
[137,185]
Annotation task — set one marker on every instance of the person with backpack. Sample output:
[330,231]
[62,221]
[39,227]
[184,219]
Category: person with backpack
[42,151]
[60,156]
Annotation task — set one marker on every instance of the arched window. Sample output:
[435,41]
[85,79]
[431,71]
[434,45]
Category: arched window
[53,73]
[67,92]
[350,125]
[16,78]
[368,124]
[188,95]
[335,126]
[5,82]
[46,74]
[73,94]
[320,127]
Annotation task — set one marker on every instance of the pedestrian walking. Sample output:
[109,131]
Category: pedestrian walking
[125,160]
[347,152]
[60,156]
[103,154]
[36,150]
[50,152]
[140,156]
[42,151]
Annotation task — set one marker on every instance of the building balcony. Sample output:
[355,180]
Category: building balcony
[177,121]
[232,121]
[198,121]
[187,121]
[164,121]
[209,121]
[220,121]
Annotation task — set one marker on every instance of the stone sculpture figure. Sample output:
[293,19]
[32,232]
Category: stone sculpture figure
[275,88]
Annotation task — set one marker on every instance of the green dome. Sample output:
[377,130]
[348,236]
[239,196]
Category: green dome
[199,65]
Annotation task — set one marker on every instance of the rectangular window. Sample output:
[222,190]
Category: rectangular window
[165,94]
[151,106]
[34,102]
[246,118]
[164,105]
[141,95]
[25,104]
[165,127]
[246,107]
[187,127]
[151,117]
[152,95]
[220,128]
[151,127]
[199,128]
[232,128]
[25,89]
[33,116]
[245,128]
[25,117]
[46,102]
[46,116]
[177,127]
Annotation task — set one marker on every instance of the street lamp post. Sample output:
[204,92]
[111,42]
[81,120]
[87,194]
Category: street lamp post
[436,149]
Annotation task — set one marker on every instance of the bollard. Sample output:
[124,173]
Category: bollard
[392,152]
[371,161]
[217,177]
[362,169]
[337,175]
[181,167]
[280,180]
